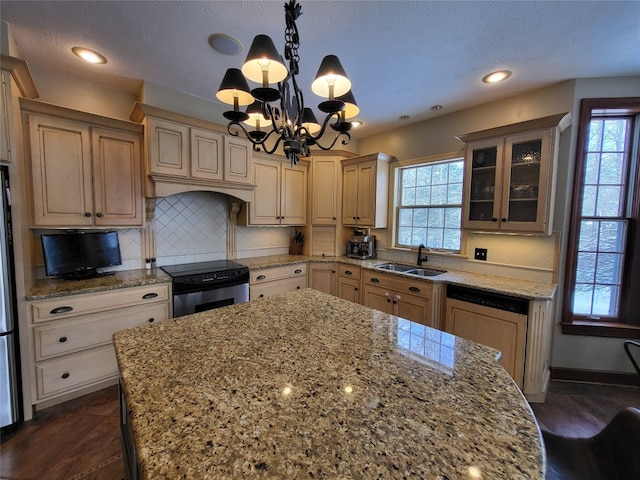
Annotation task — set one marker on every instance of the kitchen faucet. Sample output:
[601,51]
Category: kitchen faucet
[420,257]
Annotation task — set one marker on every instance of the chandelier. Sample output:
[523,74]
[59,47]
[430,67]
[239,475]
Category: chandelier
[278,115]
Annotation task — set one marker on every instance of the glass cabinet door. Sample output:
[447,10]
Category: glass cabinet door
[483,174]
[525,182]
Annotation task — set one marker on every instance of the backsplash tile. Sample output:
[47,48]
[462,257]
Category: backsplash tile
[191,227]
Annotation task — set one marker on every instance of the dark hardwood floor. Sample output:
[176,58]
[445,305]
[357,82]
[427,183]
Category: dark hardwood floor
[80,439]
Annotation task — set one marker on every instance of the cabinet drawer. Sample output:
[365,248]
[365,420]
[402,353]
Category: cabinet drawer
[277,273]
[349,271]
[399,284]
[62,375]
[67,336]
[72,305]
[269,289]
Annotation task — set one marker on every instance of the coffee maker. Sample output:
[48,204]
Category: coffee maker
[361,245]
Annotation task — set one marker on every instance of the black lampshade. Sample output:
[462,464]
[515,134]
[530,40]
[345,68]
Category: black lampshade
[234,86]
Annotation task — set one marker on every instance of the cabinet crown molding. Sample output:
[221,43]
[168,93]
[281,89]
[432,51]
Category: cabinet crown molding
[561,120]
[21,75]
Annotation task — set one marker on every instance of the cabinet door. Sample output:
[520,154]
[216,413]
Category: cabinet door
[350,195]
[482,185]
[412,308]
[504,331]
[61,172]
[207,149]
[265,209]
[293,195]
[168,148]
[324,203]
[377,298]
[237,160]
[5,118]
[349,289]
[367,183]
[322,277]
[117,181]
[526,182]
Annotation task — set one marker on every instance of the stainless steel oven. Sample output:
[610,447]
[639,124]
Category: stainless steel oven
[204,286]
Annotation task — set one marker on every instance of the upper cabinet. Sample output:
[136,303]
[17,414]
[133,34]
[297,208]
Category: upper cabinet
[186,153]
[324,190]
[509,180]
[5,119]
[365,190]
[85,169]
[280,197]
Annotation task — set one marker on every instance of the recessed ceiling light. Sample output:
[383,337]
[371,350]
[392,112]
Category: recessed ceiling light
[225,44]
[435,108]
[356,123]
[89,55]
[497,76]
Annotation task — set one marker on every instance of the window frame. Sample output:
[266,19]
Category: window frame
[397,200]
[625,325]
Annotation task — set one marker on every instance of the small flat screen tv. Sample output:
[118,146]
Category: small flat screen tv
[79,255]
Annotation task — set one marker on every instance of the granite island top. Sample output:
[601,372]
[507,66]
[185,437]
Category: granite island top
[59,287]
[306,385]
[492,283]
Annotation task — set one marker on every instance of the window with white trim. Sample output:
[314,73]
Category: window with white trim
[429,205]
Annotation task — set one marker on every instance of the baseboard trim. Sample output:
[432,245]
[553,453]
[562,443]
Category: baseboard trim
[595,376]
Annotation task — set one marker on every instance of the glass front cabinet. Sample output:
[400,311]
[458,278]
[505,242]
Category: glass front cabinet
[509,179]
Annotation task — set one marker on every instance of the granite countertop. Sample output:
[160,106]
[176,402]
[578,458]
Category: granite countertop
[58,287]
[492,283]
[306,385]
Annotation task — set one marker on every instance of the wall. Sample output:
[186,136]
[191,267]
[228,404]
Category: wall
[536,257]
[508,255]
[576,351]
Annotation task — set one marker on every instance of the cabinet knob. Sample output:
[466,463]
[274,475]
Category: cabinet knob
[398,297]
[87,214]
[503,219]
[99,215]
[298,287]
[147,296]
[261,295]
[62,339]
[151,320]
[353,218]
[64,309]
[355,289]
[494,219]
[65,375]
[334,218]
[333,271]
[386,294]
[348,272]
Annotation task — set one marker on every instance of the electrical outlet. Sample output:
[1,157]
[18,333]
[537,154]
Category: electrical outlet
[481,254]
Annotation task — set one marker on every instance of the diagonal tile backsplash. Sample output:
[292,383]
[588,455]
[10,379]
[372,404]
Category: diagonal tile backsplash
[191,227]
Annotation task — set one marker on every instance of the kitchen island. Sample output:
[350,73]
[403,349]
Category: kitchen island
[306,385]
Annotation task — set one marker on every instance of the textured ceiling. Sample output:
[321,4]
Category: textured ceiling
[402,56]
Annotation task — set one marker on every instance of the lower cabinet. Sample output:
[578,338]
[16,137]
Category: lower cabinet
[273,281]
[502,330]
[72,337]
[406,298]
[322,277]
[349,283]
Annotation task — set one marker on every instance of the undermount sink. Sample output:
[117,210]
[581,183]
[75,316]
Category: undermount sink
[425,272]
[394,267]
[411,270]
